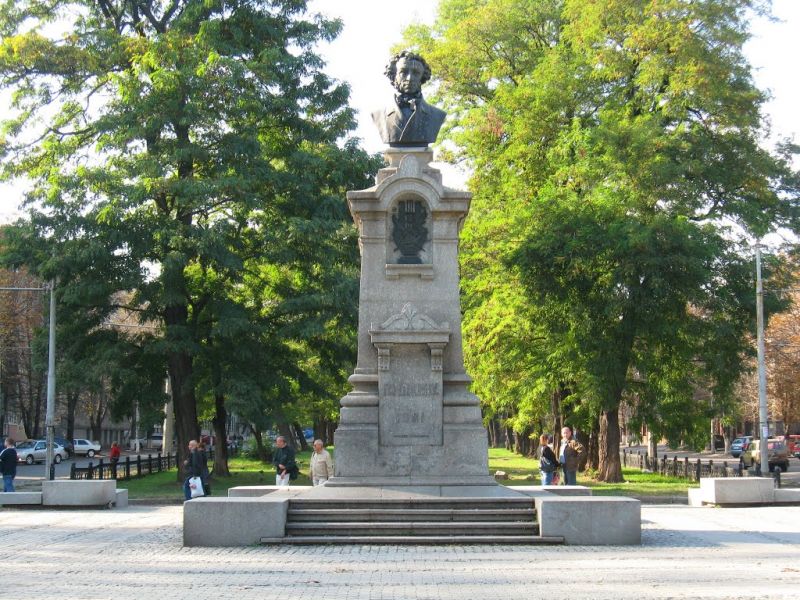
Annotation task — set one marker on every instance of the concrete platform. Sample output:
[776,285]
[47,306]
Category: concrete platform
[733,491]
[211,522]
[66,492]
[787,496]
[590,520]
[20,498]
[121,499]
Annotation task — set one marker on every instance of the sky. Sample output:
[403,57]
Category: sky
[371,27]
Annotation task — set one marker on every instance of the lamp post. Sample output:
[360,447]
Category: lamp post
[762,369]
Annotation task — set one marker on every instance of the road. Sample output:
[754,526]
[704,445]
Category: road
[789,479]
[33,474]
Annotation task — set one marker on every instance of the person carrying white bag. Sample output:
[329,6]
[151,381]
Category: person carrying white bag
[286,468]
[193,467]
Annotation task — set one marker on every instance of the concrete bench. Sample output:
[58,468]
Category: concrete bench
[67,492]
[121,499]
[733,491]
[787,496]
[590,520]
[20,498]
[238,521]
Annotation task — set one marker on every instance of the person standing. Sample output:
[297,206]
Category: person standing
[321,465]
[192,468]
[285,465]
[8,465]
[570,454]
[548,463]
[113,455]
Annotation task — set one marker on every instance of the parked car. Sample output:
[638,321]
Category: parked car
[86,447]
[793,443]
[740,444]
[33,451]
[156,441]
[66,444]
[777,455]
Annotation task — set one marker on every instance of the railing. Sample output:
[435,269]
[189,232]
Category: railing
[691,470]
[684,468]
[128,468]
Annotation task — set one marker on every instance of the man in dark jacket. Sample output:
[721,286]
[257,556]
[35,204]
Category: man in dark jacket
[8,465]
[193,467]
[284,461]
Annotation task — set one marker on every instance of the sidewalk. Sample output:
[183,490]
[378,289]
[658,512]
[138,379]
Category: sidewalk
[136,553]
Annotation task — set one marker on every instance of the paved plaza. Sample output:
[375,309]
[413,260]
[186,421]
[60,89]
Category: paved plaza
[136,553]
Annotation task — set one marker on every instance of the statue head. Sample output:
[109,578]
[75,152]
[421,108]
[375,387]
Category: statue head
[408,71]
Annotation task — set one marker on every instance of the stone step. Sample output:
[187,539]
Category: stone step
[413,528]
[420,539]
[384,515]
[412,504]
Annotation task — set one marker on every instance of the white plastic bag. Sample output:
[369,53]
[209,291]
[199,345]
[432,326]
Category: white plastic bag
[196,486]
[282,480]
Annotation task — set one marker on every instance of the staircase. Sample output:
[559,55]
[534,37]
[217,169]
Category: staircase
[412,521]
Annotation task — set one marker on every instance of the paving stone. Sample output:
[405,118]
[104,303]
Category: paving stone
[136,553]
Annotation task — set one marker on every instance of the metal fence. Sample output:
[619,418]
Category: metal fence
[684,468]
[692,470]
[128,468]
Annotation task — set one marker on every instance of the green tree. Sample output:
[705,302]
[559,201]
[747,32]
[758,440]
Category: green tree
[617,177]
[169,140]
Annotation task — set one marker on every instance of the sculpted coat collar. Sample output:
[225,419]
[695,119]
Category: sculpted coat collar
[402,130]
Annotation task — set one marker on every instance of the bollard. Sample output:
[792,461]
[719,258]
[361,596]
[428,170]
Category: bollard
[776,475]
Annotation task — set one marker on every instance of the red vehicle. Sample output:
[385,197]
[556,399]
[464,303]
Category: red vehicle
[793,444]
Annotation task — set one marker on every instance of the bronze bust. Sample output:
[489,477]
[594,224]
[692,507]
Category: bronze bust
[409,121]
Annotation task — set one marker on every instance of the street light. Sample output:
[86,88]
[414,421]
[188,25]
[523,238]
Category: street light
[762,369]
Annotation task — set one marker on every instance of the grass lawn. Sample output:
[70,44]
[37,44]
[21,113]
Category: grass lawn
[636,483]
[248,471]
[244,471]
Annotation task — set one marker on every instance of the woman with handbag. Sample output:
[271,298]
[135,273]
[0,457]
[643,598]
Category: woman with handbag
[548,463]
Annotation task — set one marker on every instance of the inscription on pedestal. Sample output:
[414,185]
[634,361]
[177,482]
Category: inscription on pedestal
[410,399]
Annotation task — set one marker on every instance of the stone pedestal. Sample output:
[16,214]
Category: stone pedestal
[410,419]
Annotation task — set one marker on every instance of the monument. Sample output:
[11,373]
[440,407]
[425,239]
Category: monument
[410,419]
[411,450]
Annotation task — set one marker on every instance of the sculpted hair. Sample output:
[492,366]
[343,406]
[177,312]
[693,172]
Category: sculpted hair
[391,68]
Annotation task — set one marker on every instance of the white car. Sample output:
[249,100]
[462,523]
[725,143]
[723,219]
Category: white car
[34,451]
[86,447]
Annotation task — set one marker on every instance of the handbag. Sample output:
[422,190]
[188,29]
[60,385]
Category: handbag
[196,486]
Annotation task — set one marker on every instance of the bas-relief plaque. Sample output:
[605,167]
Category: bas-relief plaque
[410,399]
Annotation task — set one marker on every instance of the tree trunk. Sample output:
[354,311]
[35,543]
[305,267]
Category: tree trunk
[555,409]
[508,442]
[652,447]
[593,447]
[72,403]
[286,431]
[609,467]
[319,429]
[330,430]
[301,437]
[263,455]
[186,426]
[220,432]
